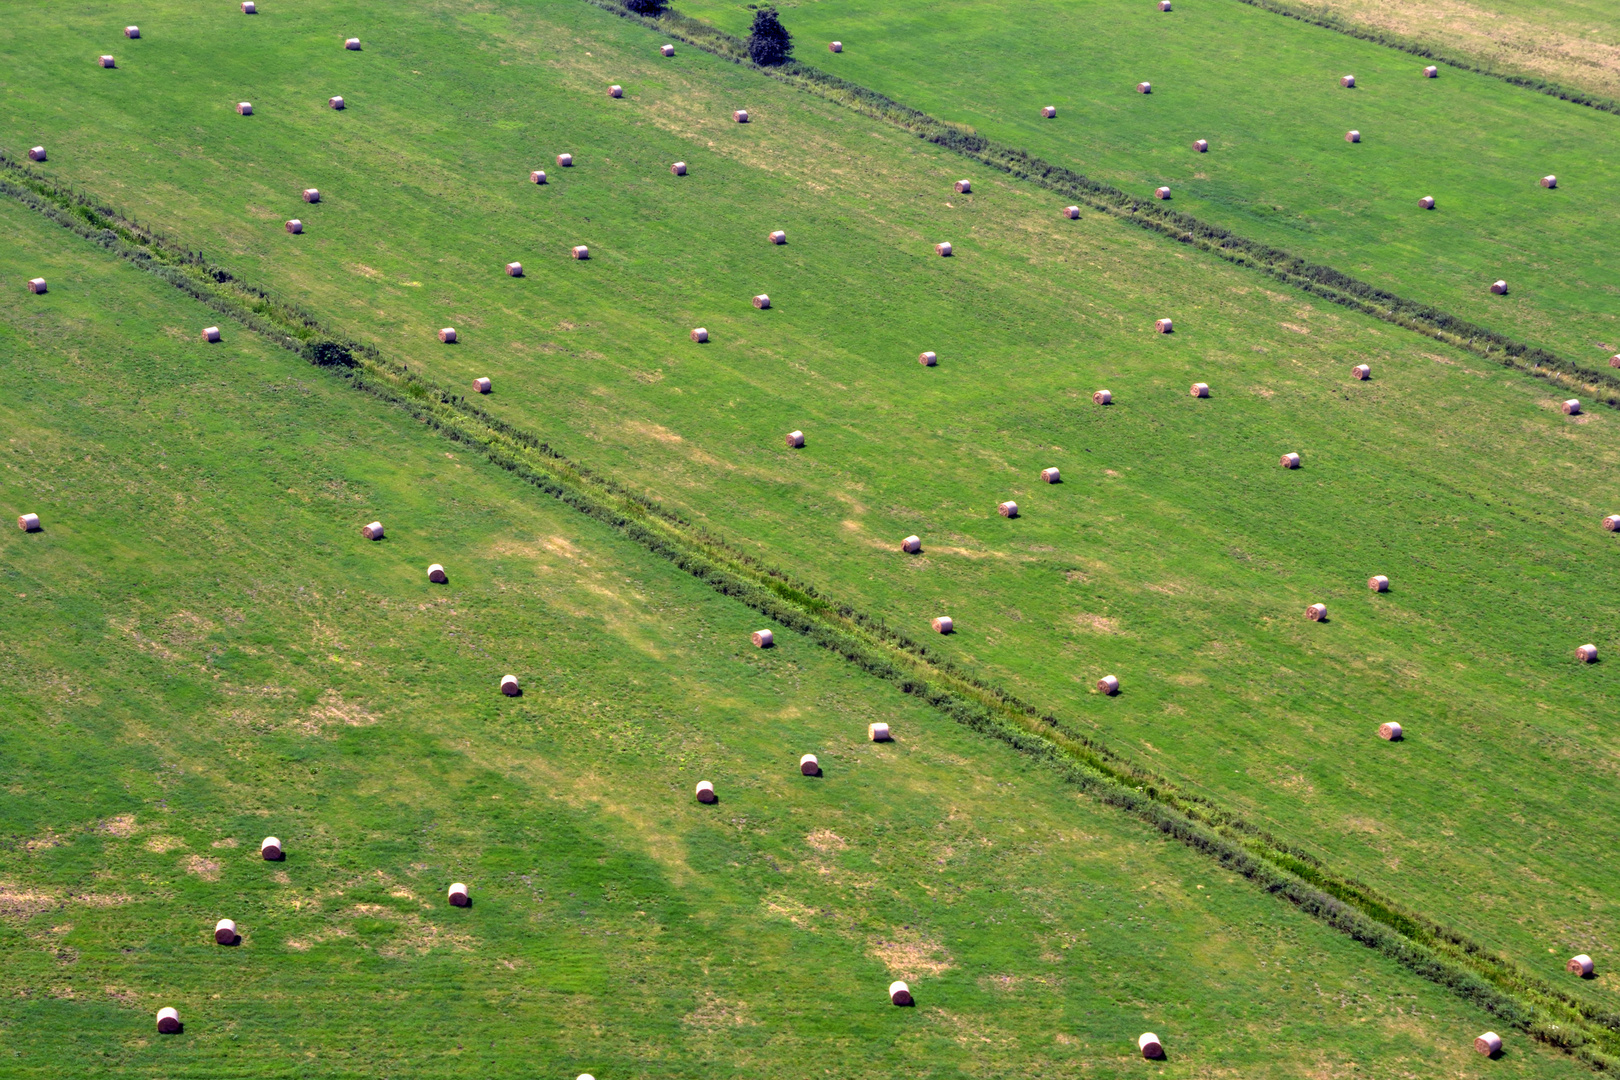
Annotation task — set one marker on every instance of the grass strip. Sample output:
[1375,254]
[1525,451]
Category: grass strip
[1431,950]
[1331,285]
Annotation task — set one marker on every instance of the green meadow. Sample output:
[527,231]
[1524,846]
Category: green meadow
[213,653]
[1264,91]
[1176,554]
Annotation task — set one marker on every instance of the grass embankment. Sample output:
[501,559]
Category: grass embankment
[213,653]
[1265,92]
[1176,555]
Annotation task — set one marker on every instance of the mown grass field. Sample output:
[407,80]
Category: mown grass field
[1176,554]
[213,653]
[1264,90]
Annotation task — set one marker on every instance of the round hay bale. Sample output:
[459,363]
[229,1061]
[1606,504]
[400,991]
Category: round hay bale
[580,251]
[763,639]
[509,686]
[352,44]
[1352,136]
[700,334]
[616,91]
[944,625]
[911,545]
[1614,361]
[1612,523]
[1499,288]
[1071,212]
[1572,407]
[458,895]
[514,269]
[374,531]
[1549,181]
[270,849]
[1316,613]
[1489,1044]
[679,168]
[1201,146]
[537,177]
[778,237]
[132,32]
[1164,5]
[1050,475]
[1161,193]
[210,334]
[244,108]
[1008,509]
[835,46]
[225,932]
[248,8]
[448,335]
[336,103]
[928,359]
[667,50]
[1048,112]
[295,226]
[28,522]
[36,153]
[565,161]
[1199,389]
[1391,731]
[1587,654]
[809,766]
[482,384]
[1144,88]
[1579,965]
[705,792]
[168,1020]
[107,62]
[1164,326]
[879,732]
[312,195]
[437,575]
[1362,372]
[1149,1044]
[794,440]
[1431,72]
[1348,82]
[1102,397]
[1108,684]
[762,301]
[1427,202]
[741,116]
[36,285]
[1378,583]
[942,249]
[900,994]
[1289,461]
[964,187]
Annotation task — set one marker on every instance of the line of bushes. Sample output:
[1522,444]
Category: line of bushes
[1437,953]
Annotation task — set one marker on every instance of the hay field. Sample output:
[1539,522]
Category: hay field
[213,654]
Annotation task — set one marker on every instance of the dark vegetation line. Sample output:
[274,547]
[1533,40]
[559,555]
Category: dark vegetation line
[1440,954]
[1322,281]
[1329,21]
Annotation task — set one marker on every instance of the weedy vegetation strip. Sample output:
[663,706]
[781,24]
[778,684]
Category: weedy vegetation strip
[1435,952]
[1322,281]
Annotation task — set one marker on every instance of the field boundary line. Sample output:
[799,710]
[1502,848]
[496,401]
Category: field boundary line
[1319,280]
[1431,950]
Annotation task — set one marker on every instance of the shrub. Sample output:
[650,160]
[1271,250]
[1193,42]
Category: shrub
[768,42]
[645,7]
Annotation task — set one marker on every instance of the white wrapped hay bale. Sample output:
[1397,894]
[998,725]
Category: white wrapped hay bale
[107,62]
[373,531]
[514,269]
[700,334]
[1579,965]
[667,50]
[1144,88]
[911,545]
[1008,509]
[1431,72]
[295,226]
[705,792]
[336,103]
[1149,1044]
[538,176]
[1102,397]
[964,187]
[1108,684]
[36,153]
[942,249]
[352,44]
[835,46]
[879,732]
[741,116]
[900,994]
[1426,203]
[437,575]
[1362,372]
[1199,390]
[943,624]
[778,237]
[244,108]
[762,301]
[1048,112]
[1164,5]
[168,1021]
[616,91]
[1352,136]
[1161,193]
[1391,731]
[1071,212]
[1050,475]
[1289,461]
[1549,181]
[482,384]
[448,335]
[509,686]
[312,195]
[809,766]
[270,849]
[28,523]
[1572,407]
[794,440]
[249,8]
[1499,287]
[762,639]
[565,161]
[1378,583]
[210,334]
[580,251]
[36,285]
[1201,146]
[928,359]
[1316,613]
[1164,326]
[1587,654]
[1489,1044]
[459,896]
[679,168]
[132,32]
[225,932]
[1348,82]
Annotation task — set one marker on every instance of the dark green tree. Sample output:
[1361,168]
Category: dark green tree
[645,7]
[768,42]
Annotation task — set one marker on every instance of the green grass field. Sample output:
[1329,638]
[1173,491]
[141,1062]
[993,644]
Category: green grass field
[1264,90]
[1176,554]
[214,654]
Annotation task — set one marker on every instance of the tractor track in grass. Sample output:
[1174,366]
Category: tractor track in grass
[1435,952]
